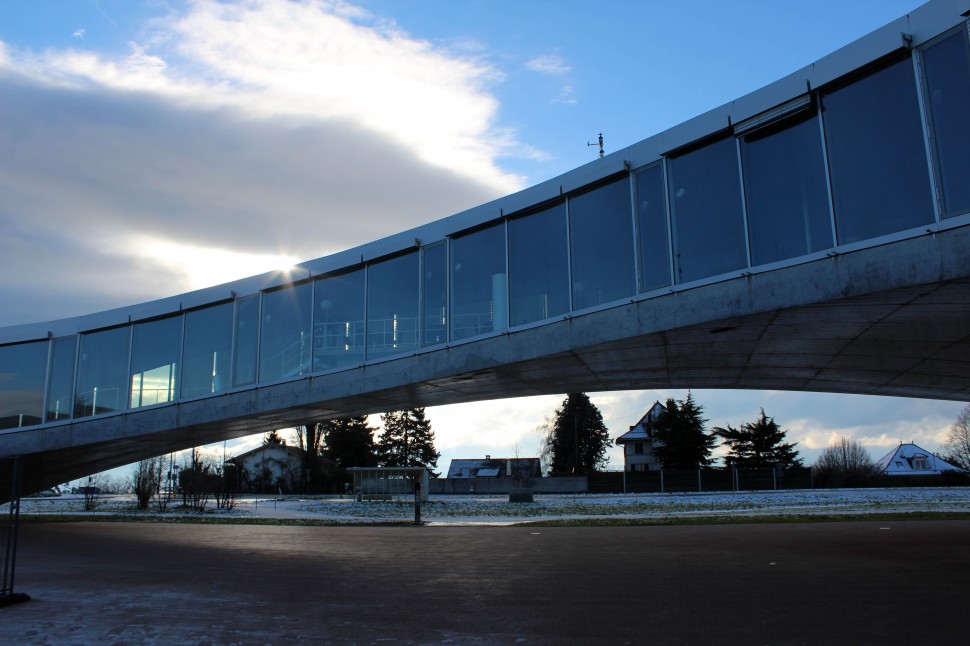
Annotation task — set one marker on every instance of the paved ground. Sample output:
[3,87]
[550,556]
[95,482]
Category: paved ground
[902,582]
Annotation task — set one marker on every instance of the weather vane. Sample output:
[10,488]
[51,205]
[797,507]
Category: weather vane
[600,144]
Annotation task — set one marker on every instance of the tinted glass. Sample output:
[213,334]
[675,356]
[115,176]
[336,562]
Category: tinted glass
[652,221]
[208,342]
[601,245]
[877,159]
[435,294]
[284,341]
[947,73]
[705,205]
[538,266]
[784,186]
[60,387]
[155,348]
[247,340]
[338,329]
[479,296]
[102,372]
[392,306]
[23,369]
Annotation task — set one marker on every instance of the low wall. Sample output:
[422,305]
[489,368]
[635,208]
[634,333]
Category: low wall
[572,484]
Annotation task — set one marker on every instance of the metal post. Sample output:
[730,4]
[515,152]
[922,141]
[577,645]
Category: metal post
[7,595]
[661,481]
[417,501]
[699,481]
[624,479]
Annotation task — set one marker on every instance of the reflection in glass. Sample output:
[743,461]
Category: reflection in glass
[208,341]
[601,245]
[435,294]
[947,70]
[102,372]
[479,295]
[247,340]
[338,328]
[877,160]
[705,206]
[60,383]
[22,372]
[538,266]
[392,306]
[284,341]
[784,187]
[652,220]
[154,361]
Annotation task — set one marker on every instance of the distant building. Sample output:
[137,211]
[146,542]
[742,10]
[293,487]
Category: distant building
[270,467]
[912,460]
[638,443]
[495,468]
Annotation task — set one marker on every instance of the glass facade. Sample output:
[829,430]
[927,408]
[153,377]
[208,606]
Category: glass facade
[247,341]
[538,266]
[784,190]
[206,351]
[102,372]
[601,245]
[435,293]
[705,206]
[60,388]
[22,374]
[947,75]
[338,330]
[877,157]
[284,341]
[155,348]
[479,293]
[392,306]
[652,225]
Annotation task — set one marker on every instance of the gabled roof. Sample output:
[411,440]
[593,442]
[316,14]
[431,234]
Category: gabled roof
[638,432]
[910,459]
[274,448]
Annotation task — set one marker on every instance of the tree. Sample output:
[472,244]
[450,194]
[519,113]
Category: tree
[146,481]
[309,438]
[956,447]
[578,439]
[758,445]
[272,438]
[844,462]
[407,441]
[680,439]
[349,442]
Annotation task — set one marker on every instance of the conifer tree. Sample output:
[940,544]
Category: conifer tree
[578,440]
[758,444]
[349,442]
[407,441]
[681,440]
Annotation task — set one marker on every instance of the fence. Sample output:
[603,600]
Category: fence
[11,476]
[694,480]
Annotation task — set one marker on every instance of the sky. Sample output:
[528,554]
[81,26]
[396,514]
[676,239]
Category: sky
[153,147]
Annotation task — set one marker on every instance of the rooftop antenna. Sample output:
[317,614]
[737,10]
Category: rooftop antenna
[600,145]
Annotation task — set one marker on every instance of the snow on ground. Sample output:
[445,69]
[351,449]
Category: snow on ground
[497,510]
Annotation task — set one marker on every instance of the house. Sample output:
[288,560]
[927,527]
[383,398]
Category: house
[495,468]
[912,460]
[270,467]
[638,443]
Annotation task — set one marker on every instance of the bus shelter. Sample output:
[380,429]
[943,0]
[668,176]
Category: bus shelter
[389,483]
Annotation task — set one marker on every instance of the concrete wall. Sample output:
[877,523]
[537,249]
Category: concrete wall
[572,484]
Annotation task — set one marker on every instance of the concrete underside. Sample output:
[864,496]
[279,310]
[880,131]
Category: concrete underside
[889,320]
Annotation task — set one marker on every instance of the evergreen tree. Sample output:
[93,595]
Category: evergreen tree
[578,439]
[407,441]
[349,442]
[272,438]
[757,445]
[681,441]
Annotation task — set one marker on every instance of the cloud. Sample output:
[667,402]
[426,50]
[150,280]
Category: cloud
[79,34]
[552,64]
[566,96]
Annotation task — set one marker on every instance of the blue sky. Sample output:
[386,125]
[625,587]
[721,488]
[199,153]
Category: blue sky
[156,147]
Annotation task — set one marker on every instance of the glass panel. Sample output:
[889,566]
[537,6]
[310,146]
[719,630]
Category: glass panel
[284,342]
[208,341]
[338,330]
[23,369]
[435,294]
[784,185]
[155,349]
[247,340]
[392,306]
[654,240]
[102,372]
[705,205]
[479,296]
[947,70]
[601,245]
[60,389]
[877,159]
[538,266]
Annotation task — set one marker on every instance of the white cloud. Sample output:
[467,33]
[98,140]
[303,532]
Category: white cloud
[548,64]
[79,34]
[566,96]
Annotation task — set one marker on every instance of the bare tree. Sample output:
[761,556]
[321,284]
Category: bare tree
[91,490]
[956,447]
[145,481]
[844,462]
[309,439]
